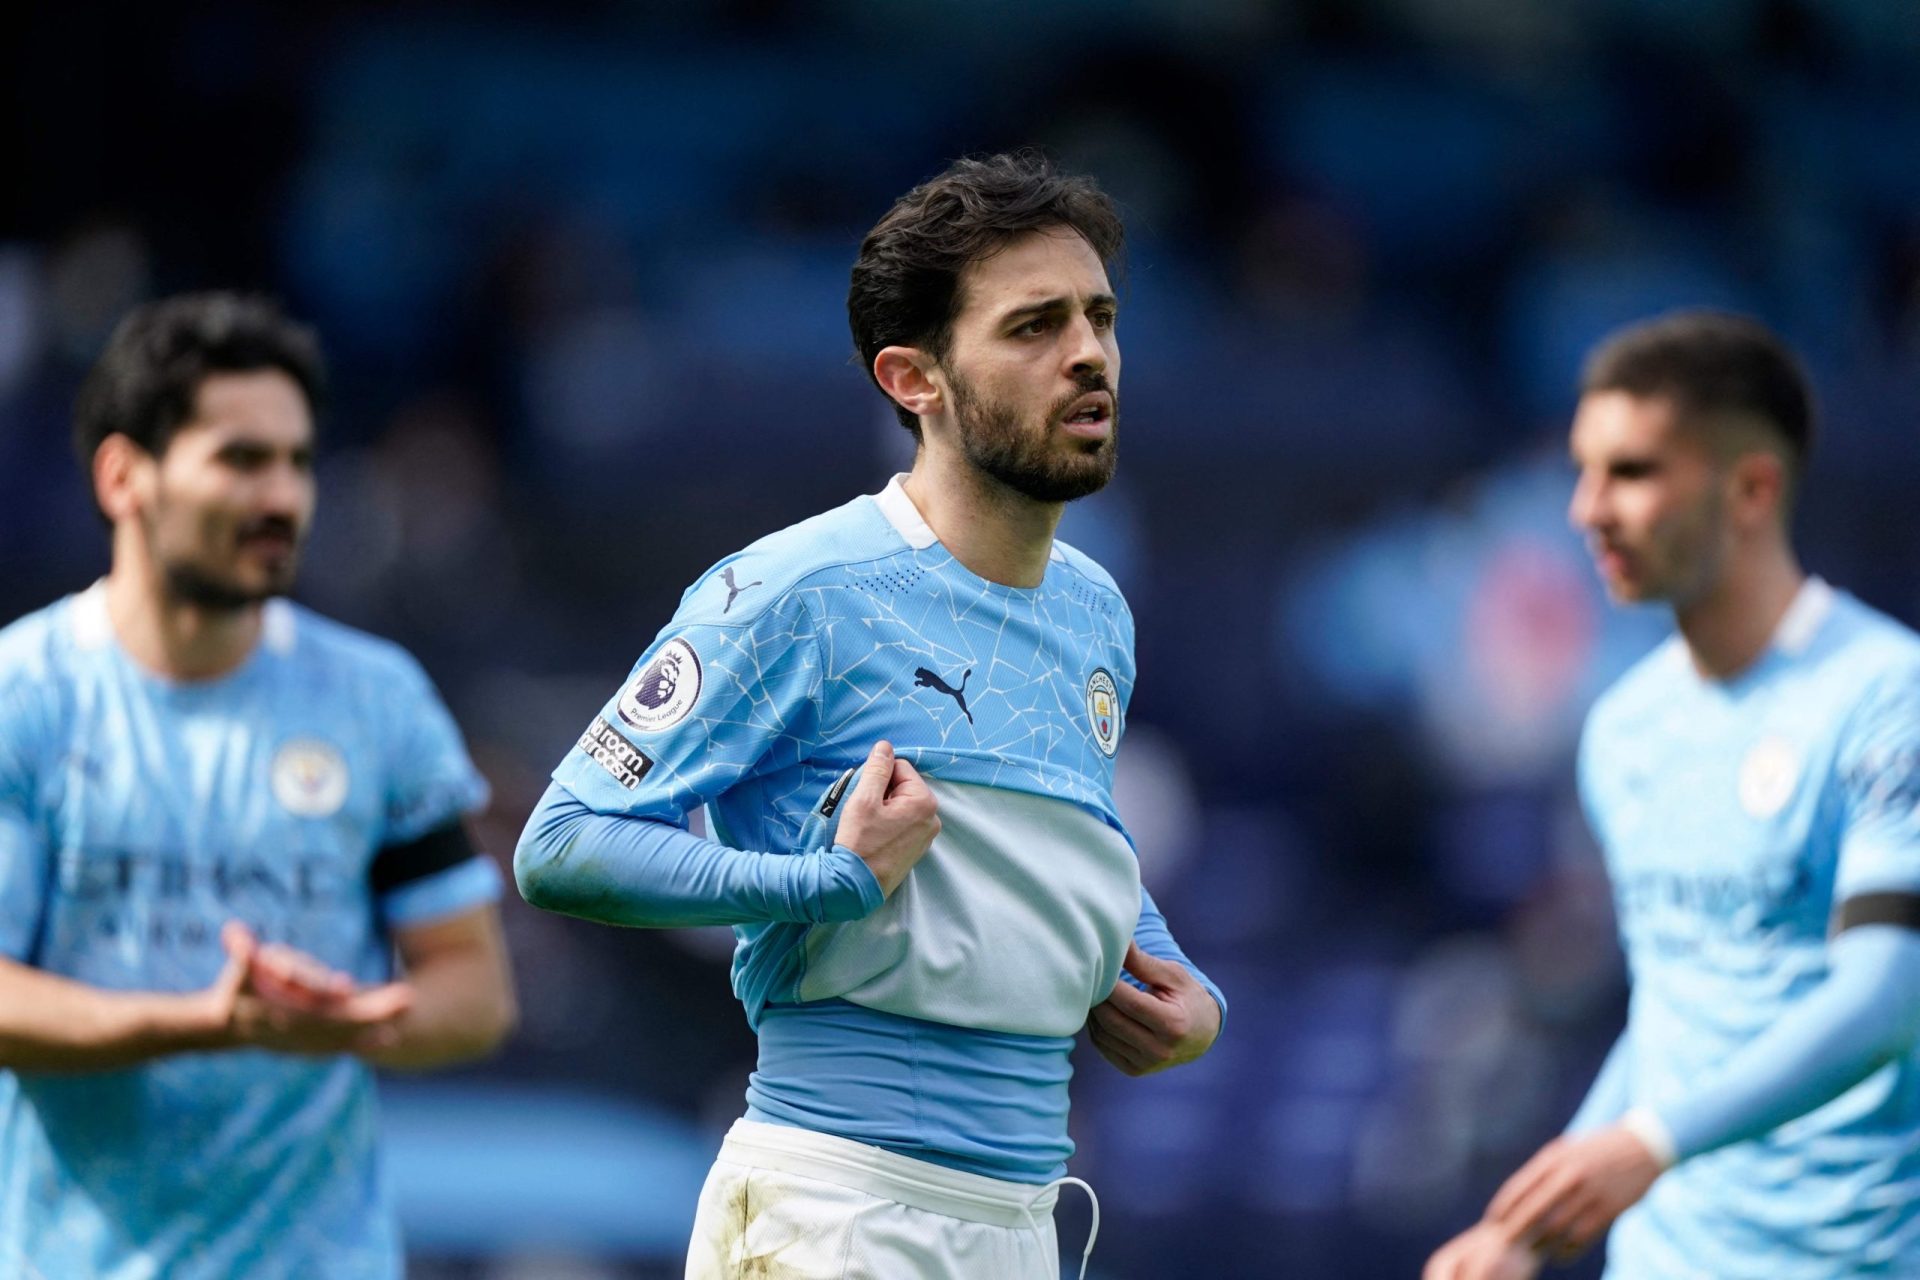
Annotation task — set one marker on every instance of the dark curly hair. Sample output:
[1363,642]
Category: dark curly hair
[145,384]
[906,281]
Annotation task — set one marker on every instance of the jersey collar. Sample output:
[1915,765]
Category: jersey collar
[900,512]
[93,629]
[1801,622]
[277,626]
[907,521]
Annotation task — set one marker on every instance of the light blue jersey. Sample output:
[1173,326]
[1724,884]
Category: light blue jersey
[137,815]
[1735,816]
[939,1022]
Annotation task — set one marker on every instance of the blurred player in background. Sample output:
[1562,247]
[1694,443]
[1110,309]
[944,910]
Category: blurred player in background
[1755,786]
[219,815]
[902,717]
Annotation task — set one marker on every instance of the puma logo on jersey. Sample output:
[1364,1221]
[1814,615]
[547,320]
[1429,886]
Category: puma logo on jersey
[726,576]
[925,679]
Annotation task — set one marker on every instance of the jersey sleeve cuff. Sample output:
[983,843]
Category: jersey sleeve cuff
[1653,1133]
[838,886]
[1207,985]
[461,888]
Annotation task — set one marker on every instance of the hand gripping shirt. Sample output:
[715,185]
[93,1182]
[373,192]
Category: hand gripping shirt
[1735,816]
[138,815]
[939,1023]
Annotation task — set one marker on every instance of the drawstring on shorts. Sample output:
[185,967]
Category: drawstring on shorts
[1093,1229]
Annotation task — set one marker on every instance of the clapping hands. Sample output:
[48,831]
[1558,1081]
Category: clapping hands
[270,996]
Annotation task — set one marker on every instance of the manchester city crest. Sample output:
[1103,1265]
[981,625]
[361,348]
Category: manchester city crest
[310,778]
[1768,777]
[1103,710]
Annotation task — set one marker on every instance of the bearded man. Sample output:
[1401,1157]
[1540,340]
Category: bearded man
[223,818]
[903,730]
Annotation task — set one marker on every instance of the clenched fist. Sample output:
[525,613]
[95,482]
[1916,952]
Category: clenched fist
[890,818]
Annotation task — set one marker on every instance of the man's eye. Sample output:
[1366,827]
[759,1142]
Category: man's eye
[1102,319]
[1034,327]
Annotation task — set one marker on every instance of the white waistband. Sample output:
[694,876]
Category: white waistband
[920,1184]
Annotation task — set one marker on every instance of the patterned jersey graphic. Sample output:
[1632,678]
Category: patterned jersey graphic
[861,629]
[936,1021]
[856,636]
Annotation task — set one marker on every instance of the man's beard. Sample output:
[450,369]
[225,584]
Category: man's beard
[189,582]
[997,443]
[1691,557]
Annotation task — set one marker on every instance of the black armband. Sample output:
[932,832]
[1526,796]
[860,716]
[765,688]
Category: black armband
[434,852]
[1902,909]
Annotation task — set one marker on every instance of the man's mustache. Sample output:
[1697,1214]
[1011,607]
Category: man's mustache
[270,527]
[1085,383]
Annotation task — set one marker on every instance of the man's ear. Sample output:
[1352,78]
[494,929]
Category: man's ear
[119,467]
[1760,487]
[909,376]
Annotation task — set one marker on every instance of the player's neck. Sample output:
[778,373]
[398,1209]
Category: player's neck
[1731,624]
[172,638]
[998,534]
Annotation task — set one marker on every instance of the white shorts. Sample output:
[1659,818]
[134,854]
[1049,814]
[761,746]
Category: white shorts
[790,1204]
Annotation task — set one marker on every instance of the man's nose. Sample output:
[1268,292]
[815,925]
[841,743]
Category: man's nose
[1086,350]
[1586,508]
[287,491]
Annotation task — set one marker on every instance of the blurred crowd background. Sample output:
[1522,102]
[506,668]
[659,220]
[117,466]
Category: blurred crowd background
[580,269]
